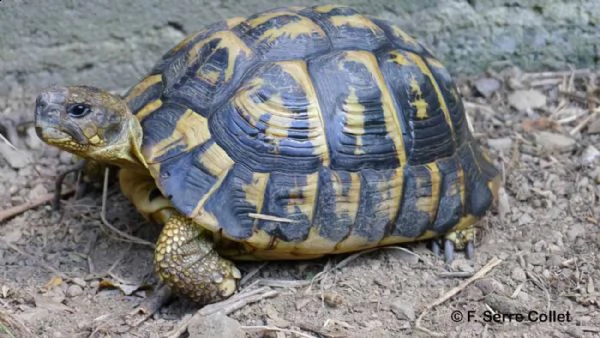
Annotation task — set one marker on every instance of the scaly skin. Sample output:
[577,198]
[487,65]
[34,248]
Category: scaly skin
[185,259]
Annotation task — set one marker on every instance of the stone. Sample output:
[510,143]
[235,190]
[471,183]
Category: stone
[79,281]
[65,158]
[523,100]
[594,127]
[403,309]
[590,155]
[37,191]
[518,274]
[462,265]
[487,86]
[216,325]
[575,231]
[489,285]
[537,258]
[16,159]
[555,141]
[502,144]
[74,290]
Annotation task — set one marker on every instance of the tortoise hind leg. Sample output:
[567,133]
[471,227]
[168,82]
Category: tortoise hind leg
[461,240]
[456,240]
[185,260]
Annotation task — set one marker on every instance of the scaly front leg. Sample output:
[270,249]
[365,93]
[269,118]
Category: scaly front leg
[185,258]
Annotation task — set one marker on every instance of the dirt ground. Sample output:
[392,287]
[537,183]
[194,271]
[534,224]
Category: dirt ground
[71,278]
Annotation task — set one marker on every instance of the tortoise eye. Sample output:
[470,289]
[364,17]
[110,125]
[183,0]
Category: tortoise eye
[79,110]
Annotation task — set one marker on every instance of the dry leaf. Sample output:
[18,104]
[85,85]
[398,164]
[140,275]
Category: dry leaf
[53,282]
[542,123]
[127,289]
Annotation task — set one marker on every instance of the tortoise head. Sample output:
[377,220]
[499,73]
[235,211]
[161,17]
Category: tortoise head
[89,122]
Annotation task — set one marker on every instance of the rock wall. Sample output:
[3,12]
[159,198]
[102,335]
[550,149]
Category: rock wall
[112,44]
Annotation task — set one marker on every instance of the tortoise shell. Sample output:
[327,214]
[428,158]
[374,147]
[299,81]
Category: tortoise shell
[317,126]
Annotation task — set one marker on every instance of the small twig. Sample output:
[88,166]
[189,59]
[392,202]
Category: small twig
[281,283]
[590,329]
[455,274]
[470,105]
[583,99]
[59,183]
[271,218]
[123,236]
[252,273]
[19,209]
[307,326]
[574,73]
[5,140]
[150,305]
[487,268]
[263,328]
[226,307]
[584,122]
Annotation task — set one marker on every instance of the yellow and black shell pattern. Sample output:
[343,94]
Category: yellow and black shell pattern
[316,128]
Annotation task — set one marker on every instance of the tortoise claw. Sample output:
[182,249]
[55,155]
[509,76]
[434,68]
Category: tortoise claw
[435,247]
[470,250]
[453,241]
[448,251]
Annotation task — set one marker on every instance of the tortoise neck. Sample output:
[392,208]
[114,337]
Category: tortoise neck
[126,153]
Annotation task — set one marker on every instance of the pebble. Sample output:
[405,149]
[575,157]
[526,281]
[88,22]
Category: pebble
[65,158]
[590,155]
[79,281]
[555,260]
[536,258]
[502,144]
[216,325]
[555,141]
[518,274]
[594,127]
[489,285]
[539,246]
[527,99]
[574,331]
[504,304]
[37,191]
[554,248]
[74,291]
[487,86]
[595,174]
[576,230]
[17,159]
[525,219]
[403,309]
[462,265]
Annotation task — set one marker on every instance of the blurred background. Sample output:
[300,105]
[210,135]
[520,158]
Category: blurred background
[112,44]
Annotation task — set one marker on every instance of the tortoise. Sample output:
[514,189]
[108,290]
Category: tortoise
[293,133]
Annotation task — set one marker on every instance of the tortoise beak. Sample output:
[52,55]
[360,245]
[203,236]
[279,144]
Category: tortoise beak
[48,110]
